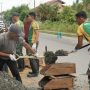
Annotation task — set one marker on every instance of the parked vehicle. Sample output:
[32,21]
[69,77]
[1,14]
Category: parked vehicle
[3,27]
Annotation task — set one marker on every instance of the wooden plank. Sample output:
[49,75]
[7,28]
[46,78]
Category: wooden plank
[33,57]
[27,63]
[58,69]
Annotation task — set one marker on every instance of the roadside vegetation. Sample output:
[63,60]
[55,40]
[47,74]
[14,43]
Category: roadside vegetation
[49,17]
[58,27]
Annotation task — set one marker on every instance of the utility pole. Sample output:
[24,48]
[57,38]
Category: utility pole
[77,1]
[1,9]
[34,4]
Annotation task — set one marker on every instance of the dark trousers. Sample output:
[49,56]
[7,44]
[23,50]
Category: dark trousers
[5,68]
[13,67]
[34,65]
[21,63]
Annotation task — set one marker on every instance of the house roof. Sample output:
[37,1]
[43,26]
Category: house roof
[53,1]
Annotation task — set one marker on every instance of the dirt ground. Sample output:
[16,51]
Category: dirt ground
[30,82]
[81,81]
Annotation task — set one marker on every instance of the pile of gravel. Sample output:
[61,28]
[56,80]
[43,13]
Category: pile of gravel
[9,83]
[61,53]
[50,57]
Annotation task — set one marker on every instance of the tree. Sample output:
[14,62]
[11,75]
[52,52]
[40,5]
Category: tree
[42,12]
[47,12]
[77,6]
[68,15]
[22,10]
[86,4]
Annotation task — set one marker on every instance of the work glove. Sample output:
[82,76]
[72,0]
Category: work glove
[34,46]
[12,57]
[36,55]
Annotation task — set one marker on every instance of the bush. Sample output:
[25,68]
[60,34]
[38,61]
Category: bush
[59,26]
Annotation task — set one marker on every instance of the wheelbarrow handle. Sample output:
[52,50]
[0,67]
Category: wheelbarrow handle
[34,57]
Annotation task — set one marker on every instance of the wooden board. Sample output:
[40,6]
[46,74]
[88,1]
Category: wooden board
[33,57]
[41,61]
[27,62]
[58,83]
[58,69]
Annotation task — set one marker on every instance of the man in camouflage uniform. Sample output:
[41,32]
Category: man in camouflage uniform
[19,23]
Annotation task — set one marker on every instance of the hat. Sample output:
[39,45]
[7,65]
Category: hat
[14,28]
[15,14]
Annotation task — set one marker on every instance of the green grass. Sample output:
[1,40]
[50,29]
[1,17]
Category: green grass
[58,27]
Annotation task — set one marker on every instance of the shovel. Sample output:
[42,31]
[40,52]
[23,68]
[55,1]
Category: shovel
[79,48]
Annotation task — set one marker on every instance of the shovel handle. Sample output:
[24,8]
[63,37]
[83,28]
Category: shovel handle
[79,48]
[84,46]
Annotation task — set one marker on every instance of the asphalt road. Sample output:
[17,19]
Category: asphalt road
[81,58]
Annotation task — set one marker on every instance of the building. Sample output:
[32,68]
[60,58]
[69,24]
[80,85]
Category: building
[58,3]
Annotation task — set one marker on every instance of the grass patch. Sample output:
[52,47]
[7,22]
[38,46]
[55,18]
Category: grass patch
[58,27]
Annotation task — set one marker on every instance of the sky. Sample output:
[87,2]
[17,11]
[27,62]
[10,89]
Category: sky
[8,4]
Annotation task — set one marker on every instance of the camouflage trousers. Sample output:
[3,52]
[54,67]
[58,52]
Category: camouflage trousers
[20,62]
